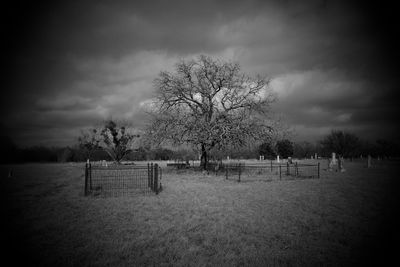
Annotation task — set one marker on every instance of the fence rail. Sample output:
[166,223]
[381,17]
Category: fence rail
[117,180]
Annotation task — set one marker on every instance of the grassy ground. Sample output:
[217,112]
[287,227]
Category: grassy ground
[341,219]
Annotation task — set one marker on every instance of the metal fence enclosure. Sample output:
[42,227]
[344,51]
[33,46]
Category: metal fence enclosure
[270,172]
[120,180]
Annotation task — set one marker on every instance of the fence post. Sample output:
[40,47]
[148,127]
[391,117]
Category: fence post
[148,175]
[156,178]
[90,176]
[280,172]
[239,172]
[318,170]
[86,178]
[151,176]
[287,169]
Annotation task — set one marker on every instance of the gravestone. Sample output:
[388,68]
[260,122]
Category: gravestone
[341,165]
[334,160]
[369,164]
[315,156]
[261,157]
[277,158]
[330,165]
[290,160]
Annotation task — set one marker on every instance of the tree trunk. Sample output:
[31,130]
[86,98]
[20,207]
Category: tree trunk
[204,157]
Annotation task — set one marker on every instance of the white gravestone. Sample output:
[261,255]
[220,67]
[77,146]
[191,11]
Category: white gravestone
[334,160]
[277,158]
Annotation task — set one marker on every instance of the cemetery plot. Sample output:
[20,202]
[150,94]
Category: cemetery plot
[270,171]
[119,180]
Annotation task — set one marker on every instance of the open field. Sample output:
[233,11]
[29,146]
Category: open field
[340,219]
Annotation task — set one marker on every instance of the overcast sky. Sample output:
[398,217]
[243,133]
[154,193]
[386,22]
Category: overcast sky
[333,65]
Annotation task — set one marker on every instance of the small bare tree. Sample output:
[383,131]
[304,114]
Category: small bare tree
[117,140]
[89,141]
[210,104]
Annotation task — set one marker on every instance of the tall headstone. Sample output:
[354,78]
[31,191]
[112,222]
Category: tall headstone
[277,158]
[334,160]
[369,164]
[315,156]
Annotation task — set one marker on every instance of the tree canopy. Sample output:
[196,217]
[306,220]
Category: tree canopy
[343,143]
[210,104]
[284,148]
[266,150]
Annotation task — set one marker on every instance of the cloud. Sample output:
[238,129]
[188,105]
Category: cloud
[69,65]
[329,99]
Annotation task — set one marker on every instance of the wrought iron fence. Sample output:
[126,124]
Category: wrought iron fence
[120,180]
[270,171]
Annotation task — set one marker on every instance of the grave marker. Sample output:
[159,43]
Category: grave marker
[341,166]
[330,165]
[334,160]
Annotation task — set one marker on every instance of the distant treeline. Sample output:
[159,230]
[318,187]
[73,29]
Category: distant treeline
[10,153]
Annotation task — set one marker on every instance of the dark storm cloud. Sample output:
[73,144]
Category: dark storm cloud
[73,64]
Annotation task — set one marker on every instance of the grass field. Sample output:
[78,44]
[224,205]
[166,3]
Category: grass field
[342,219]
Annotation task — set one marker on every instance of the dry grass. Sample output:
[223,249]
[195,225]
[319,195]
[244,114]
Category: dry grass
[340,219]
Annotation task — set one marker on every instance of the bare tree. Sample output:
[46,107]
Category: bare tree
[114,137]
[210,104]
[117,140]
[89,141]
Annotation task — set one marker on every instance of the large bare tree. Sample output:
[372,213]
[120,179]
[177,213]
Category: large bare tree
[210,104]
